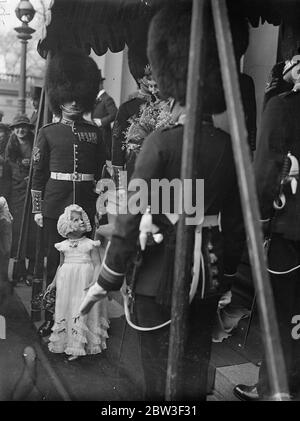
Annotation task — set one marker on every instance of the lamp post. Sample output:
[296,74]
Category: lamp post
[25,13]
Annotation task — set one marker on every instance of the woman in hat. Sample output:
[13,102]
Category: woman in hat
[18,155]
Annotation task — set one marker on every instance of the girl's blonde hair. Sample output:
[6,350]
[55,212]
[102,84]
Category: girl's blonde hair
[65,225]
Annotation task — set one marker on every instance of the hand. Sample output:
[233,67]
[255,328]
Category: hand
[51,286]
[97,121]
[38,217]
[94,294]
[273,84]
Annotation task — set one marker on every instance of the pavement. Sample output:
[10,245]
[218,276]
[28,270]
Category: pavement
[101,377]
[116,373]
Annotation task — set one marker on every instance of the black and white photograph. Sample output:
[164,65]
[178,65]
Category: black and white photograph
[149,204]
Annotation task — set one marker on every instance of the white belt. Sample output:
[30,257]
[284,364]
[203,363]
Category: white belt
[72,177]
[207,221]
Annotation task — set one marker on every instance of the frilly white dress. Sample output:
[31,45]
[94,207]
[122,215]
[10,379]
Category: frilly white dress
[71,333]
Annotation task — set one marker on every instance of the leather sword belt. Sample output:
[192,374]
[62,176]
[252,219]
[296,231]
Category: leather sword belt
[76,176]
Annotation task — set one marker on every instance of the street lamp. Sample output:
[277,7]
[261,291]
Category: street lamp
[25,13]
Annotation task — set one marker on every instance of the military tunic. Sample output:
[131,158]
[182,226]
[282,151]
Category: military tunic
[280,134]
[70,149]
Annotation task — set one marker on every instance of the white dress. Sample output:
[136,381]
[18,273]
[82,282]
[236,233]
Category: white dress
[71,333]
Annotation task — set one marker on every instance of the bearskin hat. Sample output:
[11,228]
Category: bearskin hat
[72,76]
[137,62]
[168,53]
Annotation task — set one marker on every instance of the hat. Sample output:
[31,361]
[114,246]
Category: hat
[35,92]
[72,76]
[21,119]
[100,75]
[65,224]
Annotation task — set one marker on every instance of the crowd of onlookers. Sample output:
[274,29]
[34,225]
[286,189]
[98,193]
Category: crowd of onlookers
[16,144]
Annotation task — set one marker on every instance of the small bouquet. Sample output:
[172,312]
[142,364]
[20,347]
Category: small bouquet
[45,300]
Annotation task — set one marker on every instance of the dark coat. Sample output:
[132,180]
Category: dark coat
[127,110]
[106,110]
[280,133]
[59,149]
[160,158]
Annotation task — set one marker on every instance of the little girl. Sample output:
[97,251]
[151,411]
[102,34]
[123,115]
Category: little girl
[79,265]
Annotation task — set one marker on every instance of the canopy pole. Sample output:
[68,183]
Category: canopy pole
[270,333]
[185,233]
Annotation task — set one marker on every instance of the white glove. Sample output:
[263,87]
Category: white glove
[38,217]
[94,294]
[98,122]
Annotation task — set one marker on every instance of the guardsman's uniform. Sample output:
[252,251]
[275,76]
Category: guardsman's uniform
[67,160]
[277,173]
[160,158]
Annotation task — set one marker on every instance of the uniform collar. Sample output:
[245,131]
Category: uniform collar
[69,122]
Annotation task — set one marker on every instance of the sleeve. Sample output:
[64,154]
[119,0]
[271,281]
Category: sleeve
[111,110]
[41,171]
[96,243]
[118,137]
[249,104]
[123,245]
[60,246]
[101,153]
[270,154]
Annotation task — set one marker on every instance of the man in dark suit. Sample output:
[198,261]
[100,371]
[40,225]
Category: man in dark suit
[104,114]
[69,154]
[277,173]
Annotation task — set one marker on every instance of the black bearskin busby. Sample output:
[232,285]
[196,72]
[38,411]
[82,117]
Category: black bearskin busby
[72,76]
[137,62]
[168,53]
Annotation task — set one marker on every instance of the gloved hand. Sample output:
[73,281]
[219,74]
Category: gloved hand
[38,217]
[94,294]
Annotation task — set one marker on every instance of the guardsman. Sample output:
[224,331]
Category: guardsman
[69,155]
[104,114]
[160,158]
[277,172]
